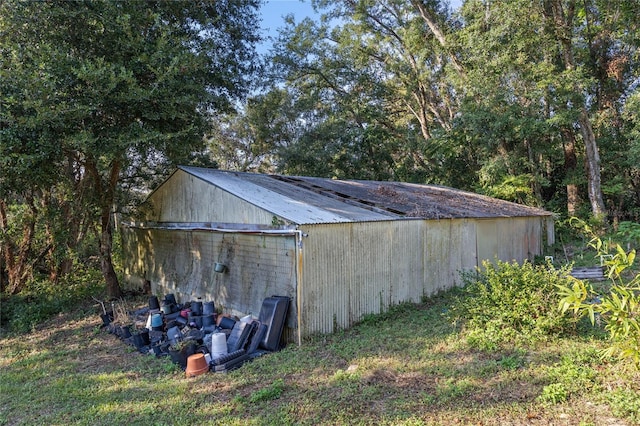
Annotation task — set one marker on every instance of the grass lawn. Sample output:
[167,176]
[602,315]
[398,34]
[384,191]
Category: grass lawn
[408,367]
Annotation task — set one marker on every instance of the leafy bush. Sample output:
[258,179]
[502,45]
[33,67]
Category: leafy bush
[629,233]
[554,393]
[572,375]
[507,303]
[618,308]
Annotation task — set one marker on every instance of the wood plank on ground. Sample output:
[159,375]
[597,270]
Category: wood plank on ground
[595,273]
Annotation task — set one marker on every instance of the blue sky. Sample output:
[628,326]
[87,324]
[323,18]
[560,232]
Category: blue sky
[273,12]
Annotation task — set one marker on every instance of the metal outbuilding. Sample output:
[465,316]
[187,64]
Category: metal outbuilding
[340,249]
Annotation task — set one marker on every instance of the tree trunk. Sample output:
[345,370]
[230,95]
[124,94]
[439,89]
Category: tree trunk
[593,166]
[431,20]
[106,246]
[107,192]
[563,24]
[71,217]
[534,170]
[16,257]
[570,164]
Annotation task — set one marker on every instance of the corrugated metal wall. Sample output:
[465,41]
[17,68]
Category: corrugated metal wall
[182,262]
[449,248]
[354,269]
[509,239]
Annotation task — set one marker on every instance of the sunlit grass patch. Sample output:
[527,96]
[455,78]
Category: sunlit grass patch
[380,372]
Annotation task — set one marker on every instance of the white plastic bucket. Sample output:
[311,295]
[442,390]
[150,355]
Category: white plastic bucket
[218,345]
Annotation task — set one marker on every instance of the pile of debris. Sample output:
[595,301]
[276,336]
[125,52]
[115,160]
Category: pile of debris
[199,340]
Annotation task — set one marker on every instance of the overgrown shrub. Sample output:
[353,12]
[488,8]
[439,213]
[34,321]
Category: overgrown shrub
[618,308]
[511,304]
[42,299]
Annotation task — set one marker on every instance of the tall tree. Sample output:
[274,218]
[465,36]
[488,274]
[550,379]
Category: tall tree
[562,20]
[527,100]
[552,59]
[249,140]
[116,86]
[502,114]
[378,72]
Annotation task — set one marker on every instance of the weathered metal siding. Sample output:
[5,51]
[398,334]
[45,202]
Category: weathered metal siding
[138,252]
[449,247]
[530,244]
[182,262]
[325,267]
[186,198]
[353,269]
[407,262]
[509,239]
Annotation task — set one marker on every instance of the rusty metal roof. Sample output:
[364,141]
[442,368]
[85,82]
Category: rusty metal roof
[304,200]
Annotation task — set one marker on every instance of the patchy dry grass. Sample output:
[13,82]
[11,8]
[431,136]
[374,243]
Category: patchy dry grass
[408,368]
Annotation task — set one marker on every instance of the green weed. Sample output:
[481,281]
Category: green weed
[453,389]
[618,307]
[625,403]
[271,392]
[41,300]
[554,393]
[512,361]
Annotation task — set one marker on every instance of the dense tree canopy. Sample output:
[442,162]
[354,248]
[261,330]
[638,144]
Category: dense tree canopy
[535,101]
[97,93]
[530,100]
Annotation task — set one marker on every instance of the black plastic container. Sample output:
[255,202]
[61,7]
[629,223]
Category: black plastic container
[157,350]
[227,323]
[195,320]
[273,314]
[180,356]
[239,336]
[198,320]
[256,337]
[172,316]
[170,298]
[208,320]
[107,317]
[211,328]
[155,337]
[125,332]
[196,308]
[154,304]
[230,362]
[144,334]
[168,307]
[208,308]
[141,339]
